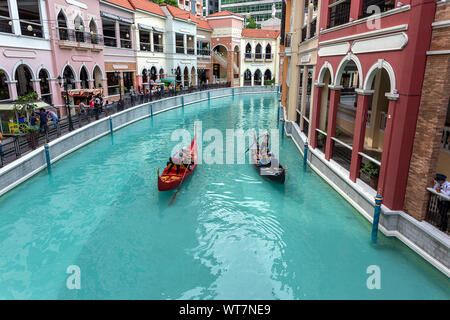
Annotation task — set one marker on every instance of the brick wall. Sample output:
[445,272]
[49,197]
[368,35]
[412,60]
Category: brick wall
[431,120]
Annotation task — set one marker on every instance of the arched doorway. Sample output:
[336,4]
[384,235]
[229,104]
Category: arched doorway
[178,77]
[23,76]
[145,78]
[62,26]
[324,108]
[186,77]
[79,29]
[153,74]
[4,90]
[258,51]
[69,77]
[268,52]
[267,77]
[98,82]
[258,78]
[193,81]
[247,78]
[220,63]
[84,78]
[45,86]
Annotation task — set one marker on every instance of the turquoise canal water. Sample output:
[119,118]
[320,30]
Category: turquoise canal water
[229,234]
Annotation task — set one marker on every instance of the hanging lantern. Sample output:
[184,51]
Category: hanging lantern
[29,28]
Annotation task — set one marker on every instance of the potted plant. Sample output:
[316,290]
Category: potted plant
[32,137]
[25,105]
[321,140]
[371,171]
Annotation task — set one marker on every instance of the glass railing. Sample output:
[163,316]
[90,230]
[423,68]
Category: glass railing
[179,49]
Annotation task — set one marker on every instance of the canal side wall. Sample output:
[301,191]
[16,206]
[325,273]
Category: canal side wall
[30,164]
[421,237]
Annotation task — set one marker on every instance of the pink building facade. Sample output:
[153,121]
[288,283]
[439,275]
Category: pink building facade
[25,55]
[76,45]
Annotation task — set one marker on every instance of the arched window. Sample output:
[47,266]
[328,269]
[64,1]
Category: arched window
[268,52]
[258,76]
[23,77]
[193,82]
[178,75]
[153,74]
[161,73]
[4,90]
[247,78]
[62,26]
[258,51]
[79,29]
[45,86]
[84,78]
[248,51]
[93,32]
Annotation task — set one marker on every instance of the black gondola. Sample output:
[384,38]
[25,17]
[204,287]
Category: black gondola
[272,172]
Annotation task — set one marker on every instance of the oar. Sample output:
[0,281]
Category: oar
[179,186]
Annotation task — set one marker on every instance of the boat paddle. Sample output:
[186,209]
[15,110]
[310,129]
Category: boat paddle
[179,186]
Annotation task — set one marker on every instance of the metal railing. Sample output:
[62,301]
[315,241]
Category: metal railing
[79,36]
[110,41]
[17,146]
[145,46]
[204,52]
[321,140]
[31,29]
[268,56]
[248,55]
[342,153]
[258,56]
[438,210]
[369,170]
[158,47]
[383,5]
[5,24]
[179,49]
[190,51]
[125,43]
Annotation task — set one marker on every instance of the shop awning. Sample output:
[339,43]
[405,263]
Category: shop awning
[145,27]
[10,106]
[167,80]
[158,30]
[84,92]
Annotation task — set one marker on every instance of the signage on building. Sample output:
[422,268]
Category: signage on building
[306,58]
[120,66]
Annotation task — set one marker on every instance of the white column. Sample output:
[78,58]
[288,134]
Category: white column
[14,16]
[185,43]
[152,45]
[44,19]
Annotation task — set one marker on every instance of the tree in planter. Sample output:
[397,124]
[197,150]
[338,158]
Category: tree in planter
[252,24]
[24,105]
[372,172]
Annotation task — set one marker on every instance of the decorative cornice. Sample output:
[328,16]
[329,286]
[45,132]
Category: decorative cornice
[402,27]
[440,24]
[364,92]
[439,52]
[392,96]
[332,87]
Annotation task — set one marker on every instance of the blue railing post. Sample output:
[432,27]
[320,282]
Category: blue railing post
[376,217]
[182,101]
[209,95]
[47,158]
[151,110]
[111,131]
[232,90]
[305,155]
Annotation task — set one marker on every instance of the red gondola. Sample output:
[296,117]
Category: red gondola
[171,180]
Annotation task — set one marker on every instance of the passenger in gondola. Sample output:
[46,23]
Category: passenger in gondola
[188,159]
[273,161]
[175,160]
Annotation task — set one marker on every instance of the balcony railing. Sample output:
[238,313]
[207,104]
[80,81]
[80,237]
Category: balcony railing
[339,12]
[383,5]
[268,56]
[248,55]
[76,36]
[179,49]
[204,52]
[31,29]
[438,210]
[190,51]
[125,43]
[5,24]
[158,47]
[110,41]
[258,56]
[145,46]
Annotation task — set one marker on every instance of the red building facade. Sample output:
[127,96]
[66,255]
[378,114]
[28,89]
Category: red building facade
[368,88]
